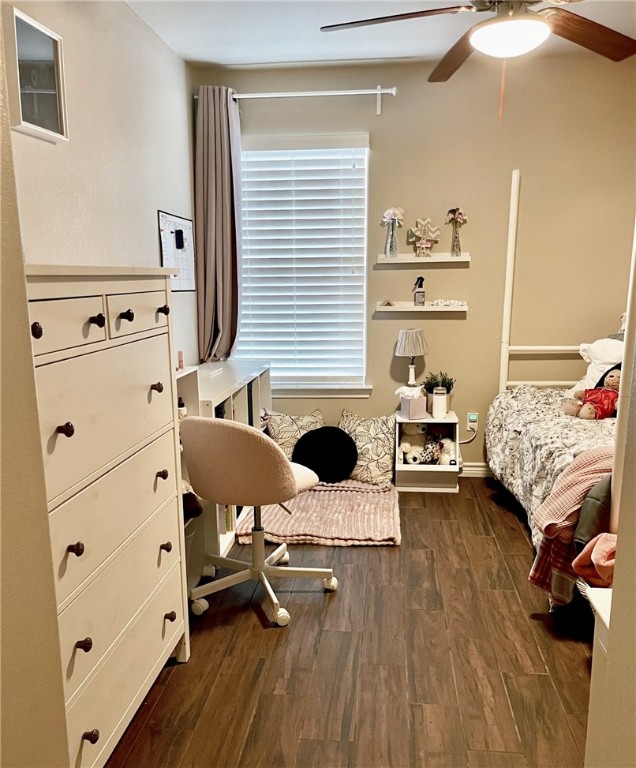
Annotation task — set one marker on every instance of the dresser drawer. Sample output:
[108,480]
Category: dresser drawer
[132,312]
[108,511]
[100,613]
[107,400]
[109,700]
[66,323]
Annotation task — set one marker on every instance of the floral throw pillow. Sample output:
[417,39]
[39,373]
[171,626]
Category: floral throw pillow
[286,430]
[375,441]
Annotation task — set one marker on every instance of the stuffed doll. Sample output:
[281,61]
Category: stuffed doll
[448,451]
[413,439]
[432,451]
[414,455]
[597,403]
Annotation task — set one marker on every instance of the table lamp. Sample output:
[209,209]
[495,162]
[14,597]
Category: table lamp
[411,343]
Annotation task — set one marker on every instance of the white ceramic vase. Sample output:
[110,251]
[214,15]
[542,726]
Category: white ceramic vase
[440,403]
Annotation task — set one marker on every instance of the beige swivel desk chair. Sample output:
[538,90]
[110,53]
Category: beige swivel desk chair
[231,463]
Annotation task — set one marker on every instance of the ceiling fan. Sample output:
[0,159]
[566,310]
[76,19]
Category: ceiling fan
[513,31]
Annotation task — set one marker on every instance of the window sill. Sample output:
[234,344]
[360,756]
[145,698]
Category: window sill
[321,391]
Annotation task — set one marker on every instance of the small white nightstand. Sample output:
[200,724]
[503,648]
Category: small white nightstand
[438,478]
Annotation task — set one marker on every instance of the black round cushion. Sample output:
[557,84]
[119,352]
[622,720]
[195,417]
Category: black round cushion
[329,451]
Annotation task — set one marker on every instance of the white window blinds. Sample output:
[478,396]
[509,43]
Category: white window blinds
[302,277]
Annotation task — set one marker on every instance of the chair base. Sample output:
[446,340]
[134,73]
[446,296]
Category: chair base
[260,569]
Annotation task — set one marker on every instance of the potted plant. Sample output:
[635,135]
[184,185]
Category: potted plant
[430,382]
[440,380]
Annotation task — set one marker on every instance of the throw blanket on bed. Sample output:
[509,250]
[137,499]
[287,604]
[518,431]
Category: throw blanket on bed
[559,513]
[530,442]
[556,519]
[342,514]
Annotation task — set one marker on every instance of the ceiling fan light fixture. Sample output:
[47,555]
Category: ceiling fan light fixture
[506,38]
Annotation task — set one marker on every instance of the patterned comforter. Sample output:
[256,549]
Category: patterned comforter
[529,442]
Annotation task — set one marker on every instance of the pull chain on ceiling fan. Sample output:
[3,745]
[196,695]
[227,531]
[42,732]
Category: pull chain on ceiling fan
[515,30]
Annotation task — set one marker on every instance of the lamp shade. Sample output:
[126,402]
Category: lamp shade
[411,343]
[508,37]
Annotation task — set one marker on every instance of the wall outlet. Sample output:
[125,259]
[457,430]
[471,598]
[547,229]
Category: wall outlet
[472,421]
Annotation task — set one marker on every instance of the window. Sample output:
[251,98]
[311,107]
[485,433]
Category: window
[303,264]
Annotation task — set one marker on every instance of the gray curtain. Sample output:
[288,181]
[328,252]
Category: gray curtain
[217,220]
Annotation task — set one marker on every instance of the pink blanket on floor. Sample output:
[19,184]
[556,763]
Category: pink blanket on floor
[343,514]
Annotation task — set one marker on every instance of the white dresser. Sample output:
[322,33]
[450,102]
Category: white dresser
[106,393]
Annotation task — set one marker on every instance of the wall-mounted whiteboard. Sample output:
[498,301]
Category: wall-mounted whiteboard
[176,237]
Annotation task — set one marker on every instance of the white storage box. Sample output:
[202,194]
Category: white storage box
[413,407]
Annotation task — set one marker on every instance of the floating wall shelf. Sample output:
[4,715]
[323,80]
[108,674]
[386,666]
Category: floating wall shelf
[411,258]
[408,306]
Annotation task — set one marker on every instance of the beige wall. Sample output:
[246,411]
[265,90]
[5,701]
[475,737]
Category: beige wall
[569,126]
[94,199]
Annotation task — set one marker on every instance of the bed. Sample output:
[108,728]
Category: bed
[551,462]
[538,453]
[530,442]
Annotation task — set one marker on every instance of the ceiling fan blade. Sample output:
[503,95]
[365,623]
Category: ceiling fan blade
[453,60]
[397,17]
[591,35]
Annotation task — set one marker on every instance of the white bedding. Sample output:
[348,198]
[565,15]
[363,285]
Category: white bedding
[529,442]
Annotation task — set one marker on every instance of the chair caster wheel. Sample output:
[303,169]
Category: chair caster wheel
[209,571]
[282,618]
[330,585]
[284,560]
[199,606]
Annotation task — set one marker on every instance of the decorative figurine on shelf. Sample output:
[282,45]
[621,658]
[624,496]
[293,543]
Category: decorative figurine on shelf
[456,218]
[423,236]
[597,403]
[392,219]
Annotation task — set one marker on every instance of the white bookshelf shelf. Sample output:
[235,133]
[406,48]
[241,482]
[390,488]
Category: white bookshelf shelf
[408,306]
[411,258]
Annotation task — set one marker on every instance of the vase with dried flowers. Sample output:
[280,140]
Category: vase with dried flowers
[392,219]
[456,218]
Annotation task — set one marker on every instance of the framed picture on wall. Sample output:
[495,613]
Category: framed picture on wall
[176,239]
[36,85]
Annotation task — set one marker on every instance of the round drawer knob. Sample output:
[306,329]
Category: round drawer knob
[66,429]
[172,616]
[127,315]
[167,547]
[99,320]
[163,474]
[85,645]
[77,549]
[165,310]
[36,330]
[92,736]
[158,387]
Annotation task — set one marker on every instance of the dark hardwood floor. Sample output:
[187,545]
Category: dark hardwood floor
[436,653]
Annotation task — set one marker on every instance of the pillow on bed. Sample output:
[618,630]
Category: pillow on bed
[286,430]
[375,441]
[601,355]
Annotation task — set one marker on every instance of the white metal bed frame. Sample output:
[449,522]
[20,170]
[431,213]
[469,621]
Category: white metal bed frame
[625,403]
[509,351]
